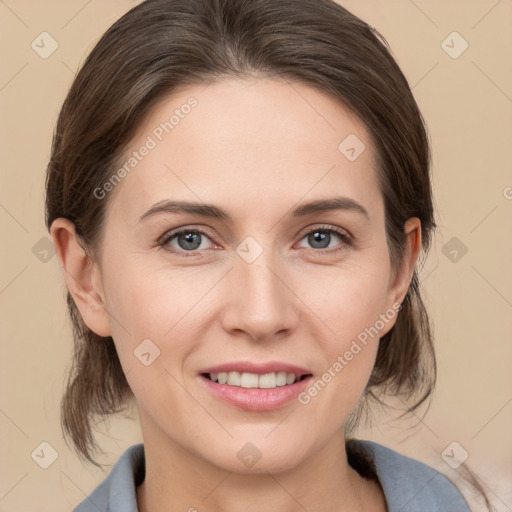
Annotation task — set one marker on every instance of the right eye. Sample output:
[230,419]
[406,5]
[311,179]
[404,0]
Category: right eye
[188,240]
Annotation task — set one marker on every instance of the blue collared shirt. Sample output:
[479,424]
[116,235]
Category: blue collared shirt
[409,485]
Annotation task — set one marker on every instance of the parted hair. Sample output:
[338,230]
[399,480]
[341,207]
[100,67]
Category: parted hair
[162,44]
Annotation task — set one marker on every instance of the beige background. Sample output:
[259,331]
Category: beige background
[467,103]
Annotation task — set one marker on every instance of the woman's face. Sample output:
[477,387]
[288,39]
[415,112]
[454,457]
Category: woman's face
[254,285]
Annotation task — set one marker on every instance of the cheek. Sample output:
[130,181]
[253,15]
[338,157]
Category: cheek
[153,335]
[350,308]
[349,358]
[150,305]
[148,296]
[345,300]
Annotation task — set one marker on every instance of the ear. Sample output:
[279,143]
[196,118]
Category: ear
[82,276]
[401,279]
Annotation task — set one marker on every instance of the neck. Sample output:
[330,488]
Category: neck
[178,480]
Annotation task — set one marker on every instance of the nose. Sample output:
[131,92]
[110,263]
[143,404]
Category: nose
[261,301]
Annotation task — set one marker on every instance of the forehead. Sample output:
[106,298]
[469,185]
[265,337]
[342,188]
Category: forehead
[253,143]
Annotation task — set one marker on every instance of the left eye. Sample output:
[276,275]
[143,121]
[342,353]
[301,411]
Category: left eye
[320,238]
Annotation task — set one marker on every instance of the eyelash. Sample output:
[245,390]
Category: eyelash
[344,236]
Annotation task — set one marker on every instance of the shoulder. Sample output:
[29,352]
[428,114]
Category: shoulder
[117,492]
[410,485]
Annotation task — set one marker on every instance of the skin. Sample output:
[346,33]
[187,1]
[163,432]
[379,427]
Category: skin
[257,149]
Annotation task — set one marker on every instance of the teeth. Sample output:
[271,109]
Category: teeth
[281,379]
[249,380]
[253,380]
[234,379]
[268,380]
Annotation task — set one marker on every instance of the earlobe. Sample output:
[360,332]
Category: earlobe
[82,276]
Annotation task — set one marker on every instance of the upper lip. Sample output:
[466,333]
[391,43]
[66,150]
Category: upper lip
[259,368]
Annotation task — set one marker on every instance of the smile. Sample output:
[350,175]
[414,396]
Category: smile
[255,392]
[253,380]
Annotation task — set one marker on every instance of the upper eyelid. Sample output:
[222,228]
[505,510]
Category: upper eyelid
[325,227]
[176,231]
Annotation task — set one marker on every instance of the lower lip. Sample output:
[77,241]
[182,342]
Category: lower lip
[256,399]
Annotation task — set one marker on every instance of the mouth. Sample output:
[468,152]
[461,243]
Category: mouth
[256,392]
[254,380]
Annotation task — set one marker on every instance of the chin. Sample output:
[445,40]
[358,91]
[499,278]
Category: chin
[254,458]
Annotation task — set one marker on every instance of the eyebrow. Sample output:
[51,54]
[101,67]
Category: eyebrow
[212,211]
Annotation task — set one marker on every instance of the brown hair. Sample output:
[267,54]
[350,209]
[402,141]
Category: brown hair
[162,44]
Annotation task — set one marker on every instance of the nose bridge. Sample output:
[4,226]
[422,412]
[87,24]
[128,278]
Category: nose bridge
[261,303]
